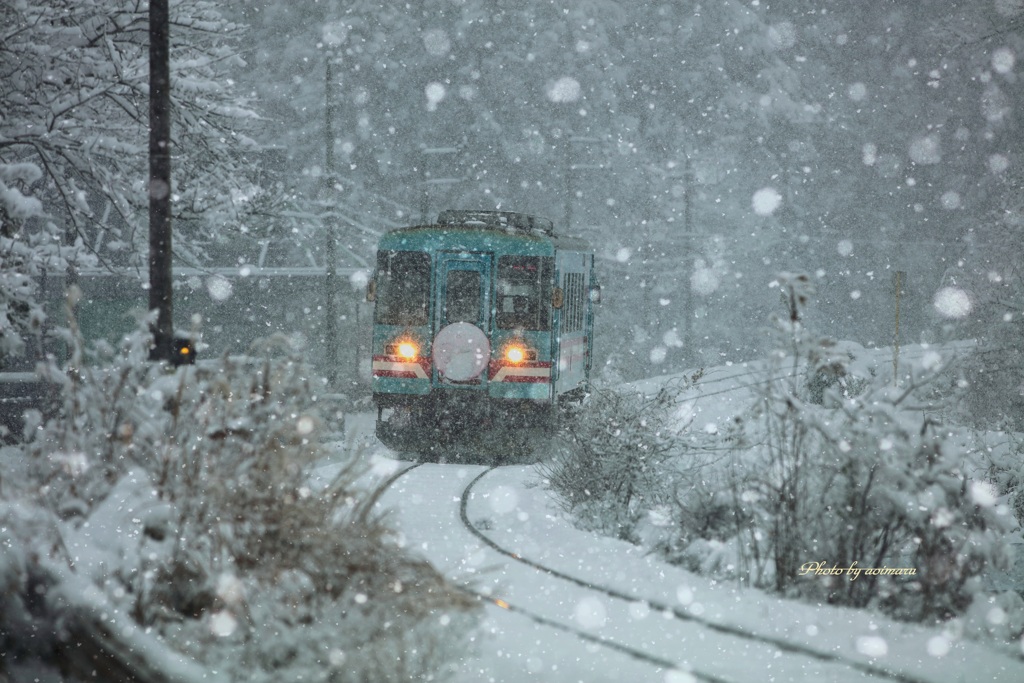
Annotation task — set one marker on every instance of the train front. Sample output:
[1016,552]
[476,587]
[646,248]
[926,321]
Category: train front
[462,337]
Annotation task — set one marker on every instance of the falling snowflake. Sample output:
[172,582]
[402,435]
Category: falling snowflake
[766,200]
[997,163]
[436,42]
[995,105]
[223,623]
[435,93]
[950,200]
[872,646]
[334,34]
[939,646]
[1003,60]
[869,154]
[782,35]
[984,494]
[219,287]
[931,360]
[952,302]
[590,613]
[304,425]
[925,150]
[704,281]
[359,279]
[565,89]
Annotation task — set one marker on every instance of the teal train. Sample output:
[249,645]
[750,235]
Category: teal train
[483,326]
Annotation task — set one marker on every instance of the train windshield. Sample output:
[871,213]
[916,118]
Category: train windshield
[524,291]
[403,288]
[462,297]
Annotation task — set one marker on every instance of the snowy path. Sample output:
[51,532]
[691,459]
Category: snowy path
[511,508]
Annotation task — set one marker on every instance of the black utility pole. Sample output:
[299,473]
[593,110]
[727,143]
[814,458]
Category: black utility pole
[160,179]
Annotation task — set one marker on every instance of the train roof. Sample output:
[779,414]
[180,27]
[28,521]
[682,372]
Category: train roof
[508,226]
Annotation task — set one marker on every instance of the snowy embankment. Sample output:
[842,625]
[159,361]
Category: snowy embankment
[165,530]
[534,622]
[673,625]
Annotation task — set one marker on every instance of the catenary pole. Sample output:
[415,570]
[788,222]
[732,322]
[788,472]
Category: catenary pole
[330,245]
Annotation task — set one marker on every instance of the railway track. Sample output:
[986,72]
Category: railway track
[682,630]
[876,672]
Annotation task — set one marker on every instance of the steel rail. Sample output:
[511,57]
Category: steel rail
[675,612]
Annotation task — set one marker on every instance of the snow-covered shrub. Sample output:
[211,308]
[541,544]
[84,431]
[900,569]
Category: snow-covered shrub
[24,527]
[839,367]
[1004,462]
[998,617]
[223,544]
[613,456]
[30,244]
[868,483]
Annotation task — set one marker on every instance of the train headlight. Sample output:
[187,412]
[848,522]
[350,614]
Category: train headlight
[518,353]
[408,350]
[405,350]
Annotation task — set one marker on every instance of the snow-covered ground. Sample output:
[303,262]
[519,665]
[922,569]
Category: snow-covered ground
[562,604]
[588,608]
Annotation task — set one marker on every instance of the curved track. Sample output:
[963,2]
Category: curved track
[633,652]
[720,651]
[675,612]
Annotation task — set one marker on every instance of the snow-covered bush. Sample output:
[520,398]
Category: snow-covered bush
[864,482]
[223,543]
[30,245]
[994,372]
[613,456]
[1005,469]
[841,367]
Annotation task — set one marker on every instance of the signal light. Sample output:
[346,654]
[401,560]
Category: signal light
[183,352]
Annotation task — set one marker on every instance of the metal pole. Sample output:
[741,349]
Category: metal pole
[568,183]
[897,280]
[688,259]
[330,246]
[160,281]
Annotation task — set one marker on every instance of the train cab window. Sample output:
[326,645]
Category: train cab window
[462,297]
[523,292]
[403,288]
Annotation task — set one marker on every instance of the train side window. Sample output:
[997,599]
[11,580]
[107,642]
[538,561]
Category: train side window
[462,296]
[523,292]
[403,288]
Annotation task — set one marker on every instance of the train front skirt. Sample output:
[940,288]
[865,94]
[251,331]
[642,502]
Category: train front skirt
[463,425]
